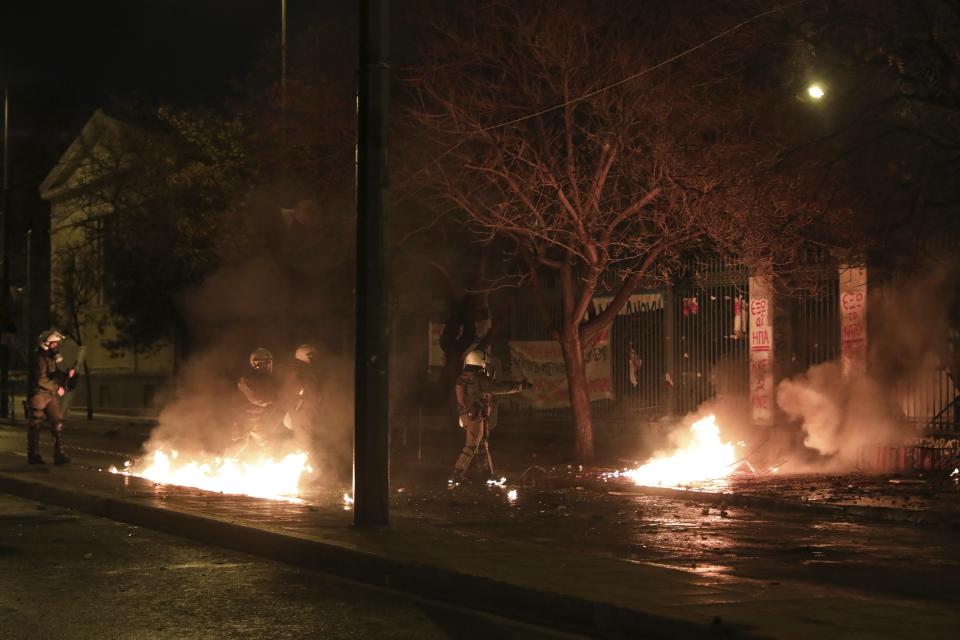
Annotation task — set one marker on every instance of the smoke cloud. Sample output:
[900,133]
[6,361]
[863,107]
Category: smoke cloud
[839,412]
[294,287]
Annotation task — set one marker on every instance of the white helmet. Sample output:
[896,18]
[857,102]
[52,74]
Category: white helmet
[306,353]
[475,358]
[48,338]
[261,360]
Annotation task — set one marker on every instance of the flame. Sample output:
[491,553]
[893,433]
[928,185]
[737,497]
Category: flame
[705,457]
[263,477]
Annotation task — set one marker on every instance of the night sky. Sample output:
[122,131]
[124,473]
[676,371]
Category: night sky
[81,52]
[63,59]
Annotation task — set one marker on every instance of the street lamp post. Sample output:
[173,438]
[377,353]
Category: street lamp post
[4,266]
[371,457]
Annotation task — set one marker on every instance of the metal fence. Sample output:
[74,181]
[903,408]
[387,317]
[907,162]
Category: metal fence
[928,401]
[687,345]
[636,345]
[815,324]
[710,349]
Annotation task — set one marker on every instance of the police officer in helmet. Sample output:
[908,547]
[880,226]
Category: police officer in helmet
[475,391]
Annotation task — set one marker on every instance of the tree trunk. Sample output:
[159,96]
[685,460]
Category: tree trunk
[572,349]
[86,368]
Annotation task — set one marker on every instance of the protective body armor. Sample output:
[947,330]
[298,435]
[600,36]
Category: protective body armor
[477,408]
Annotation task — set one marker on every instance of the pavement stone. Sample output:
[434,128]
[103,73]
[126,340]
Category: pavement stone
[591,594]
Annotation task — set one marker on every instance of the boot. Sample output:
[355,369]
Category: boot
[486,462]
[460,468]
[59,457]
[33,447]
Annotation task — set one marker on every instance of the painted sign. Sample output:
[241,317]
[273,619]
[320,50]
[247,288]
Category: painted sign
[853,319]
[761,351]
[541,362]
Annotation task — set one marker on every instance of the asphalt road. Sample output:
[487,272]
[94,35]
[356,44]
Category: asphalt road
[65,575]
[774,546]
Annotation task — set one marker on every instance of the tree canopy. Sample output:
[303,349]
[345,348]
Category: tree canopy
[604,154]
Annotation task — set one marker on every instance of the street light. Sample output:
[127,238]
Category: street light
[815,91]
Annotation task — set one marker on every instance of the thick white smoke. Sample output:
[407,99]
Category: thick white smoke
[840,413]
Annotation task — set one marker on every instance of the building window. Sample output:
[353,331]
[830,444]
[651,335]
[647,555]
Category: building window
[103,396]
[149,394]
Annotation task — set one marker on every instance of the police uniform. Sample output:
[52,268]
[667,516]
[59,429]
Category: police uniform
[477,410]
[258,410]
[49,383]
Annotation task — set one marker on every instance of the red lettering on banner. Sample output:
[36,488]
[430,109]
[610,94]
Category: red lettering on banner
[852,300]
[853,331]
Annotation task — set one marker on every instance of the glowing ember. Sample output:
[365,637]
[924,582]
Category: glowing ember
[261,478]
[705,457]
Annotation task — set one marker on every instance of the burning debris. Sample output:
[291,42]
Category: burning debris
[261,477]
[701,455]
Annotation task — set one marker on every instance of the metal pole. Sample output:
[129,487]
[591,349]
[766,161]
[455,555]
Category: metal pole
[27,317]
[4,266]
[371,457]
[283,76]
[283,51]
[670,353]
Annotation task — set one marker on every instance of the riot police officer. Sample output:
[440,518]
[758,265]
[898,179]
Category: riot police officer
[260,416]
[475,391]
[48,384]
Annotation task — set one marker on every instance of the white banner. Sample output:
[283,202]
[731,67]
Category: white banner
[638,303]
[541,362]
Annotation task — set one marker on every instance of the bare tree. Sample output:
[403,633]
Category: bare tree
[599,174]
[76,283]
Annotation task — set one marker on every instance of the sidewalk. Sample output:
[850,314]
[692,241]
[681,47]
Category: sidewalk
[578,592]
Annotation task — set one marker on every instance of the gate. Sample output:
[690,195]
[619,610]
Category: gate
[710,346]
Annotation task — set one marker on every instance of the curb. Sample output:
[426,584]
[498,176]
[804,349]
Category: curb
[540,607]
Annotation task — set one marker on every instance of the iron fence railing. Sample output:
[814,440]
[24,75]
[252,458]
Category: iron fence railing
[711,346]
[816,324]
[670,356]
[929,401]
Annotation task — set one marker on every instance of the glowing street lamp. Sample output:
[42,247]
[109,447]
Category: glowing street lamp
[815,91]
